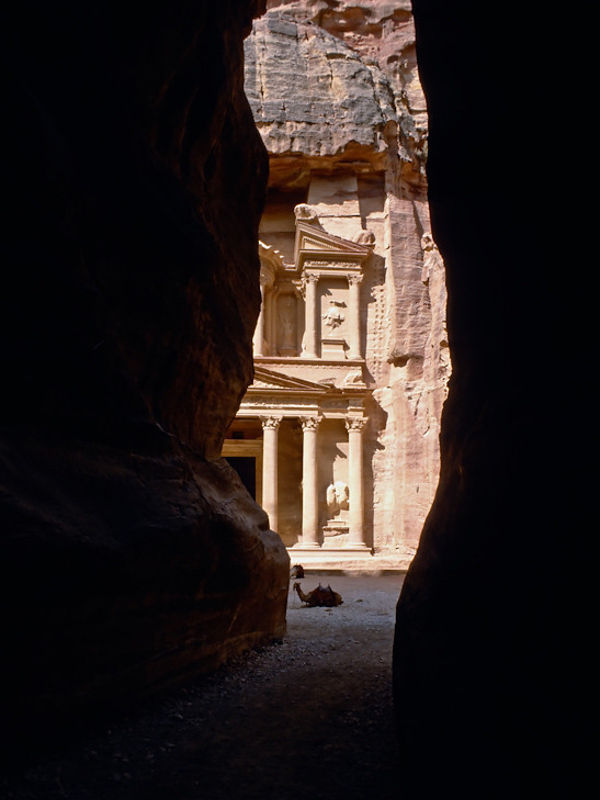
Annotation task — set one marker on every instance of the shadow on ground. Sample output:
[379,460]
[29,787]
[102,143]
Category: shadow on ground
[310,718]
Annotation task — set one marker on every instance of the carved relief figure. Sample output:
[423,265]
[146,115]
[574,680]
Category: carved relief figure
[338,496]
[433,276]
[432,259]
[333,317]
[287,324]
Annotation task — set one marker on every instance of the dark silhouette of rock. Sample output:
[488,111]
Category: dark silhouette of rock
[488,664]
[135,181]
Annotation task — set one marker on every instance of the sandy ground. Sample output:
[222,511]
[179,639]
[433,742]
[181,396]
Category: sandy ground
[309,718]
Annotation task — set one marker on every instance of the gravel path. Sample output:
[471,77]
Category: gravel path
[309,718]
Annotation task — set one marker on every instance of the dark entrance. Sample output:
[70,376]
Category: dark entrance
[245,466]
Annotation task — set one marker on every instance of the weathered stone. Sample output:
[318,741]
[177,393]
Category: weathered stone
[382,33]
[312,95]
[130,560]
[347,180]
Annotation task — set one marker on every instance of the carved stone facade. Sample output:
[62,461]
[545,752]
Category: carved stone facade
[311,425]
[350,349]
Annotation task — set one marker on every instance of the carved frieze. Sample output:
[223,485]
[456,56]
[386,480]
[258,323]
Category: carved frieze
[330,263]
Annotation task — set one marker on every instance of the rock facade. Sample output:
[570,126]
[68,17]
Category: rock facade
[336,97]
[133,557]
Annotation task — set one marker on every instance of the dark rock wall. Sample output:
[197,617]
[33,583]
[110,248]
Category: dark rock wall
[132,135]
[487,663]
[135,181]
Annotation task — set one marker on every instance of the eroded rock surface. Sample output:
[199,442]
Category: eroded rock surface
[381,35]
[131,558]
[319,97]
[336,96]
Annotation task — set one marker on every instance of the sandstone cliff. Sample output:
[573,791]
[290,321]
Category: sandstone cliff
[336,97]
[312,95]
[131,558]
[381,34]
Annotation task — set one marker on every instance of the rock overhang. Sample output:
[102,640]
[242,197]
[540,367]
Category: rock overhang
[313,95]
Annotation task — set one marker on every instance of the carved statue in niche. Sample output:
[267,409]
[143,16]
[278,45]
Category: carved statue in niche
[338,496]
[286,328]
[432,259]
[333,317]
[433,276]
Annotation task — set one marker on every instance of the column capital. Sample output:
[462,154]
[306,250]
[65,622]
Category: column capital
[270,421]
[355,278]
[310,423]
[310,277]
[355,423]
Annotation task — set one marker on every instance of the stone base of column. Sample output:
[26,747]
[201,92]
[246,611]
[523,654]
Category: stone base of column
[302,554]
[348,561]
[308,547]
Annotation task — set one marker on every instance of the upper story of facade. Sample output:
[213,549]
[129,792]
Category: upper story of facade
[311,304]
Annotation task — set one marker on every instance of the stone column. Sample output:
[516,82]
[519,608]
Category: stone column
[310,316]
[354,282]
[354,426]
[310,491]
[270,483]
[259,331]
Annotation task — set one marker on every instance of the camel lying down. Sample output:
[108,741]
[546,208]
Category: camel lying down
[321,596]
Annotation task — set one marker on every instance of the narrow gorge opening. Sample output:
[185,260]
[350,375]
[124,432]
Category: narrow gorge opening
[351,364]
[137,564]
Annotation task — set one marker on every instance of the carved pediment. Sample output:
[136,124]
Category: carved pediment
[313,242]
[269,380]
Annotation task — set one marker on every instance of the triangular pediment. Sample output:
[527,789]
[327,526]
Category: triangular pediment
[312,240]
[269,380]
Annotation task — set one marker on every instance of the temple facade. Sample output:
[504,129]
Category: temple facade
[325,438]
[301,425]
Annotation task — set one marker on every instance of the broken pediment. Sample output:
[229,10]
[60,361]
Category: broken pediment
[271,263]
[313,242]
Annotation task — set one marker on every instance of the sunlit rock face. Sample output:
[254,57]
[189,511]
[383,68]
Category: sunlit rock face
[336,98]
[131,559]
[311,93]
[376,55]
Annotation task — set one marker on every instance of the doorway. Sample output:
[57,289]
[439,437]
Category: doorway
[245,456]
[245,466]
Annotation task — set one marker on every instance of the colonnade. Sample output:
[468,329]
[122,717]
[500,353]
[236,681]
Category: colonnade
[310,484]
